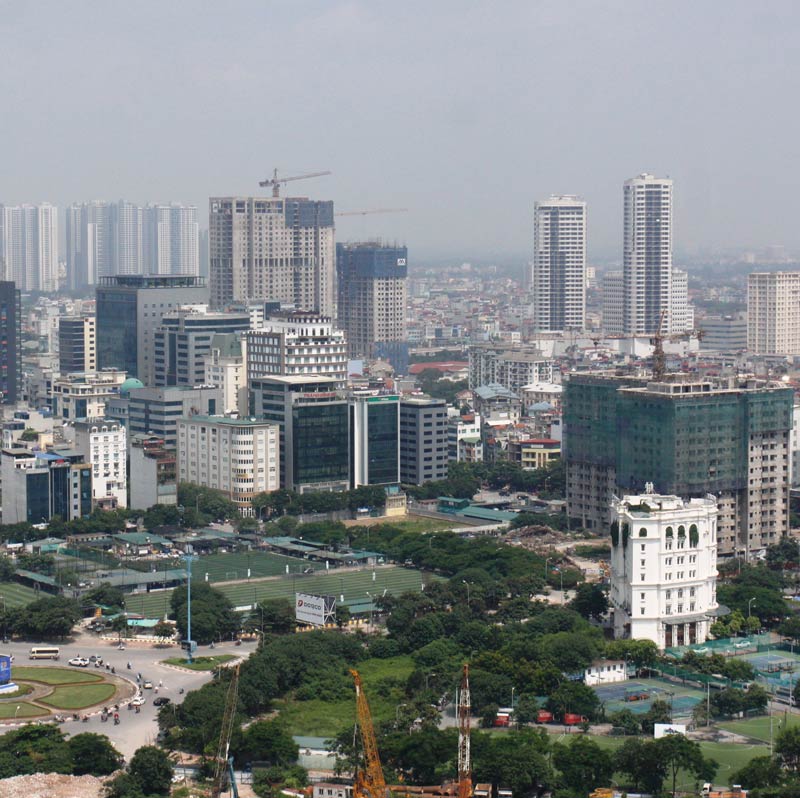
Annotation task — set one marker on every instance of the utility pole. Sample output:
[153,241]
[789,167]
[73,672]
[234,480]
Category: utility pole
[188,557]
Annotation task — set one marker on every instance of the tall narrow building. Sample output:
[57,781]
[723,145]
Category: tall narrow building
[171,240]
[558,271]
[91,245]
[29,246]
[10,343]
[773,313]
[647,254]
[371,281]
[277,248]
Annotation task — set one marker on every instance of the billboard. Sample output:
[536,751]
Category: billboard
[5,669]
[314,610]
[663,729]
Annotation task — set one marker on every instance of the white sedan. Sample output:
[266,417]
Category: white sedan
[138,701]
[79,662]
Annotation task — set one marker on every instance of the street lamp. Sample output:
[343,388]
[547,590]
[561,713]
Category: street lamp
[749,605]
[545,567]
[467,584]
[512,697]
[19,707]
[371,605]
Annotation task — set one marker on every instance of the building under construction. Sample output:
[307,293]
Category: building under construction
[689,437]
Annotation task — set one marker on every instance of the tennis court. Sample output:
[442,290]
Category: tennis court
[353,585]
[638,696]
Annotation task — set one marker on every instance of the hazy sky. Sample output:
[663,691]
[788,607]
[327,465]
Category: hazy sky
[463,112]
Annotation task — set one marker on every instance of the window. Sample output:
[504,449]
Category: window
[642,546]
[668,595]
[643,596]
[643,532]
[680,592]
[669,532]
[642,577]
[669,609]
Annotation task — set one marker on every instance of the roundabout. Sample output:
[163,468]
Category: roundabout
[45,690]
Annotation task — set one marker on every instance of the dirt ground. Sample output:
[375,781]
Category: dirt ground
[52,785]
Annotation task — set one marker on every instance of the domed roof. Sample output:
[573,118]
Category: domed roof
[130,384]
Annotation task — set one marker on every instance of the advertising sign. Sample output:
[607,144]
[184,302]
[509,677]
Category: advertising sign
[314,610]
[5,669]
[663,729]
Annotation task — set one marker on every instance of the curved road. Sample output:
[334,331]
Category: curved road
[134,730]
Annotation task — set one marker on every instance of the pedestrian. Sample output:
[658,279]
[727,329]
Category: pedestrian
[160,683]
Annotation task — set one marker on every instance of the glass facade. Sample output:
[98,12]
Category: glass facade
[382,443]
[320,444]
[38,489]
[116,329]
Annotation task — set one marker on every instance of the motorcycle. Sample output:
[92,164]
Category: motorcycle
[85,719]
[116,720]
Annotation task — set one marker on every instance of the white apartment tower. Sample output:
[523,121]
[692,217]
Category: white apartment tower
[276,248]
[558,271]
[103,443]
[647,254]
[171,239]
[773,313]
[29,246]
[91,248]
[613,303]
[663,568]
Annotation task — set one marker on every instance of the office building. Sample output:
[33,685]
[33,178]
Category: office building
[647,255]
[10,343]
[103,444]
[129,311]
[170,240]
[238,457]
[464,443]
[423,439]
[29,246]
[85,395]
[513,367]
[663,568]
[272,248]
[38,486]
[558,270]
[723,333]
[298,343]
[773,313]
[224,368]
[153,472]
[183,340]
[371,280]
[77,349]
[313,418]
[374,440]
[728,437]
[533,453]
[156,411]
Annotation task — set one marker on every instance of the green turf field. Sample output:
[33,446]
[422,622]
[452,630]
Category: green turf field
[17,595]
[78,696]
[200,663]
[52,675]
[20,709]
[352,584]
[759,728]
[229,567]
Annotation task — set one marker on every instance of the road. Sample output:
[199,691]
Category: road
[134,730]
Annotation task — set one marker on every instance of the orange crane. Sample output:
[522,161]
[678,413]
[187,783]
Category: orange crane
[223,765]
[464,761]
[368,783]
[371,210]
[276,181]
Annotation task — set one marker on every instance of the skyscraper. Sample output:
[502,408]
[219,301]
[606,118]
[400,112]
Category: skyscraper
[371,281]
[77,348]
[773,313]
[91,248]
[647,254]
[10,343]
[29,246]
[171,239]
[272,248]
[558,271]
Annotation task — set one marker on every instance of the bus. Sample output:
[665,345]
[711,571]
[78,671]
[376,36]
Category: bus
[44,652]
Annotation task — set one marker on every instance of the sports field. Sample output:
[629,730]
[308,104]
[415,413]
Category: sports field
[229,567]
[17,595]
[353,585]
[638,696]
[759,728]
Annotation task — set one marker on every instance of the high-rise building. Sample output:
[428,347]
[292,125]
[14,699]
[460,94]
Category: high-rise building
[77,349]
[663,568]
[103,444]
[91,244]
[153,472]
[723,333]
[238,457]
[513,367]
[371,280]
[10,343]
[130,308]
[374,440]
[183,340]
[297,343]
[423,439]
[773,313]
[272,248]
[129,238]
[29,246]
[314,429]
[171,240]
[728,437]
[225,369]
[558,270]
[647,255]
[613,303]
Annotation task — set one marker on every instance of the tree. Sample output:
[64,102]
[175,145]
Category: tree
[212,614]
[164,630]
[791,628]
[119,625]
[641,653]
[152,769]
[573,697]
[7,569]
[93,754]
[105,594]
[590,601]
[659,712]
[343,615]
[759,772]
[276,615]
[678,752]
[787,747]
[47,618]
[124,786]
[582,763]
[639,759]
[267,741]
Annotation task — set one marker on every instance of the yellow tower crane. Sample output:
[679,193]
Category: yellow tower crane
[223,765]
[369,782]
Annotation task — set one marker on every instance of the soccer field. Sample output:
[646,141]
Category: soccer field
[759,728]
[18,595]
[230,567]
[353,585]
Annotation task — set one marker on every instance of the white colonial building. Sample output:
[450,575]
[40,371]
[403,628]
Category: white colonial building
[663,568]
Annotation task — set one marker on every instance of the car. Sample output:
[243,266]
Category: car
[79,662]
[148,685]
[160,701]
[96,659]
[138,701]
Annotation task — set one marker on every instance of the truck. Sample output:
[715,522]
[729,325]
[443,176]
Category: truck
[735,791]
[571,719]
[543,716]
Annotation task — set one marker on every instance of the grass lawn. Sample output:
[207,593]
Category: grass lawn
[24,689]
[328,718]
[30,673]
[758,728]
[78,696]
[17,595]
[422,524]
[26,710]
[200,663]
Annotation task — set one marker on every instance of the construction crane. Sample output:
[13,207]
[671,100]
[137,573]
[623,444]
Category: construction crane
[223,765]
[276,181]
[370,211]
[464,762]
[659,358]
[369,782]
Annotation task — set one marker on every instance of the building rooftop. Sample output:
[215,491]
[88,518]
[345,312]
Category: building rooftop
[230,422]
[495,391]
[152,281]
